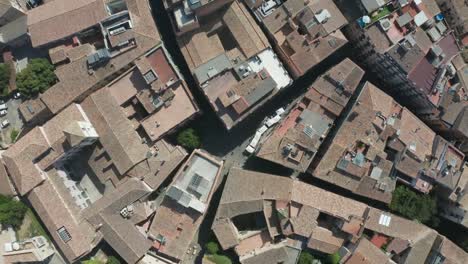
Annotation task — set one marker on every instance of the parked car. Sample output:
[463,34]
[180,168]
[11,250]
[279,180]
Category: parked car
[3,106]
[3,112]
[250,149]
[273,120]
[5,123]
[280,111]
[17,95]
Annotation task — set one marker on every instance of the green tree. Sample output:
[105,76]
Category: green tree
[212,247]
[333,258]
[92,261]
[305,258]
[220,259]
[11,212]
[4,78]
[36,78]
[420,207]
[112,260]
[13,134]
[189,139]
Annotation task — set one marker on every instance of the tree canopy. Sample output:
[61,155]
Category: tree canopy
[36,78]
[333,258]
[220,259]
[420,207]
[4,78]
[112,260]
[189,139]
[11,211]
[92,261]
[305,258]
[212,247]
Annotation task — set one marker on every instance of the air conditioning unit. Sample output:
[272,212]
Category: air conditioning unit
[117,31]
[385,24]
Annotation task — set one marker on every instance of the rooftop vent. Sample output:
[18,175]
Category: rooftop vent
[412,146]
[150,76]
[100,56]
[127,211]
[64,234]
[385,24]
[288,149]
[407,43]
[117,31]
[382,186]
[30,109]
[436,50]
[322,16]
[385,220]
[309,131]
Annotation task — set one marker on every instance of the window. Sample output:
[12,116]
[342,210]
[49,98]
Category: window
[63,234]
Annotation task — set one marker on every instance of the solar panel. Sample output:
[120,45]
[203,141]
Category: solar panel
[64,234]
[309,131]
[385,220]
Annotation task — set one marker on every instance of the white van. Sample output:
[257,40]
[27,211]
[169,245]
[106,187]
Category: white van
[3,107]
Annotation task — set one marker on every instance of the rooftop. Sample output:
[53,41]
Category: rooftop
[30,250]
[58,19]
[149,102]
[229,48]
[356,159]
[85,78]
[111,176]
[295,141]
[185,202]
[416,37]
[366,147]
[305,32]
[329,226]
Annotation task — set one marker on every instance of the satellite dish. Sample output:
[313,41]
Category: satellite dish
[16,246]
[366,19]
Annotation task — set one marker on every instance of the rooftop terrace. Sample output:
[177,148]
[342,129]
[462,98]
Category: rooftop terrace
[318,220]
[232,62]
[305,33]
[184,205]
[297,138]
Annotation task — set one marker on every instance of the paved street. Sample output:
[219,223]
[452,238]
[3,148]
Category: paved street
[230,145]
[14,119]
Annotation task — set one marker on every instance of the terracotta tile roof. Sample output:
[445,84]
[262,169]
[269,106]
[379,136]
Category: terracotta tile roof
[310,49]
[53,212]
[182,107]
[324,101]
[323,240]
[116,134]
[61,18]
[416,135]
[275,254]
[157,168]
[6,188]
[244,30]
[367,253]
[452,252]
[361,125]
[305,223]
[32,108]
[259,187]
[121,234]
[421,246]
[19,160]
[225,233]
[75,79]
[397,246]
[174,222]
